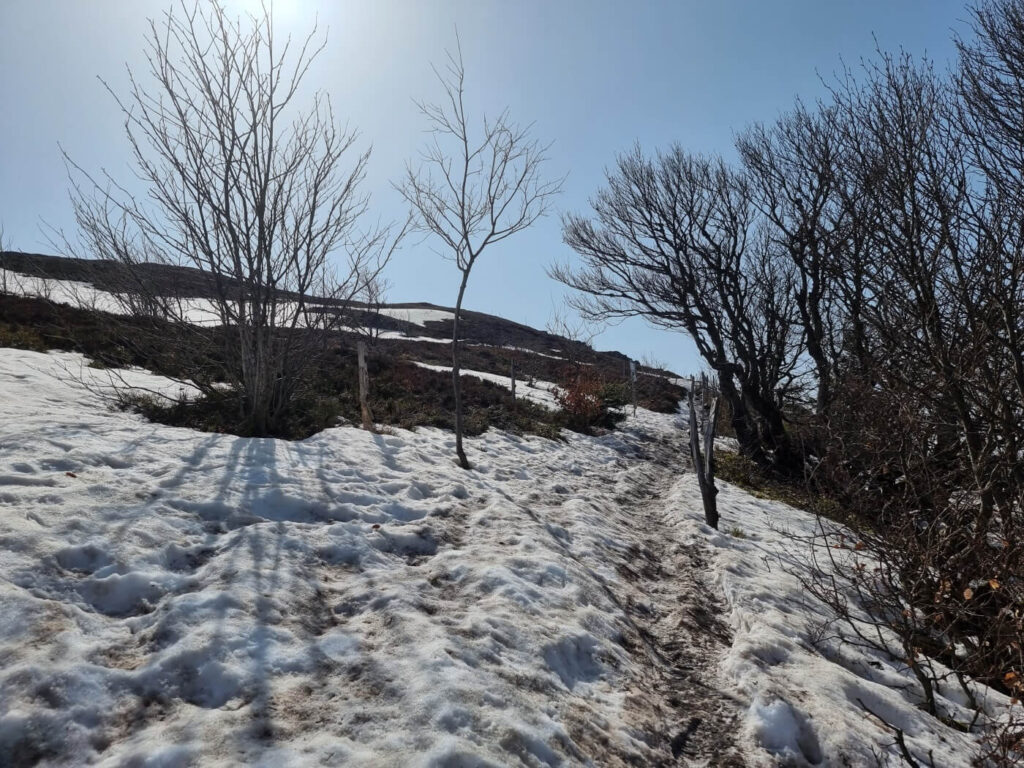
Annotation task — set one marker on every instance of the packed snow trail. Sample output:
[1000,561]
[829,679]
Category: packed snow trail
[176,598]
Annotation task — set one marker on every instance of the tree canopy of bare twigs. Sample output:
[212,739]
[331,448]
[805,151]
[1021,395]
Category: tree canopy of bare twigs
[677,239]
[472,189]
[856,280]
[245,185]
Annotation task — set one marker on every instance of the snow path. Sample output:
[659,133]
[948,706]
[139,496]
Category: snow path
[174,598]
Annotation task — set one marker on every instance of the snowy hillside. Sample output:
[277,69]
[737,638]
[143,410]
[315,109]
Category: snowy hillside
[174,598]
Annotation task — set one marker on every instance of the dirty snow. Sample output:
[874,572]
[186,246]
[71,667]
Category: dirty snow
[173,598]
[170,597]
[801,680]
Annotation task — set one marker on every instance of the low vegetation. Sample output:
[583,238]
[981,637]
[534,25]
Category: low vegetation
[402,394]
[747,474]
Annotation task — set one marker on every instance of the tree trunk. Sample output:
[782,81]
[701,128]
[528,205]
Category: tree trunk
[740,421]
[456,379]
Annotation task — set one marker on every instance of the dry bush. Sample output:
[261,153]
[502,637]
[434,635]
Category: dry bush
[588,401]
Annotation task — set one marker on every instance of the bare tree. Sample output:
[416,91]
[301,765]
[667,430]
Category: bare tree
[791,166]
[370,323]
[258,194]
[677,240]
[579,331]
[472,190]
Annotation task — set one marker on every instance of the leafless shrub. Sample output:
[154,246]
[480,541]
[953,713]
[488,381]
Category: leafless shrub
[257,195]
[579,331]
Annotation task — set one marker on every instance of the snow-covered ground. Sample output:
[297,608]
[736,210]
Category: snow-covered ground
[176,598]
[173,596]
[400,336]
[804,687]
[87,296]
[526,351]
[71,292]
[417,316]
[193,310]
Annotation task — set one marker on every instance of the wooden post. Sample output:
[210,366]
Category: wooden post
[704,465]
[632,383]
[512,376]
[364,387]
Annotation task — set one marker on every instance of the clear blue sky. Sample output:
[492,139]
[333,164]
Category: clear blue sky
[593,75]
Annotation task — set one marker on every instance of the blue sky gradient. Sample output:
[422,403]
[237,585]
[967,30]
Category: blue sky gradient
[593,76]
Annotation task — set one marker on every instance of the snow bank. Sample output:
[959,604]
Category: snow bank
[804,687]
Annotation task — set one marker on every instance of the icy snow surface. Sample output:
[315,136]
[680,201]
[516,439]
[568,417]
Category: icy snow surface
[175,598]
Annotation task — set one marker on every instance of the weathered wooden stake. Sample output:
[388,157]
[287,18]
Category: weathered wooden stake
[364,387]
[704,465]
[512,375]
[632,383]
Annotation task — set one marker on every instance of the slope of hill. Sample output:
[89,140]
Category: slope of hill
[169,597]
[53,305]
[397,321]
[175,597]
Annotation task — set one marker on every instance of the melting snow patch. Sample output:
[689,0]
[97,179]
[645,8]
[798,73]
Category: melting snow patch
[418,316]
[357,599]
[783,732]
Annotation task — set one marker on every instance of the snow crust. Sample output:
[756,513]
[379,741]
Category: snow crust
[803,683]
[173,598]
[170,597]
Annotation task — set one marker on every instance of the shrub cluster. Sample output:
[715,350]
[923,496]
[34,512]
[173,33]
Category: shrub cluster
[588,401]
